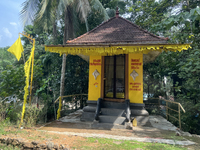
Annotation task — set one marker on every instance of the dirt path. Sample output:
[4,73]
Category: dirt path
[84,128]
[144,134]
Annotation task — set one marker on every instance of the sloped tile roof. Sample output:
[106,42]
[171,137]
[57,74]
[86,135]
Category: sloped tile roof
[117,30]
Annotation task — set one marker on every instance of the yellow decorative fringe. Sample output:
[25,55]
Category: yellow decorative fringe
[59,109]
[116,50]
[27,67]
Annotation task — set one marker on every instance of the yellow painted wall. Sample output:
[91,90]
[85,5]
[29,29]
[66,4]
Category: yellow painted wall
[94,91]
[135,86]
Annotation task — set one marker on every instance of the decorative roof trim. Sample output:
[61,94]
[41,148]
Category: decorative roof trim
[114,50]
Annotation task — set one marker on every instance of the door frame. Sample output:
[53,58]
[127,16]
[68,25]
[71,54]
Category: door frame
[125,76]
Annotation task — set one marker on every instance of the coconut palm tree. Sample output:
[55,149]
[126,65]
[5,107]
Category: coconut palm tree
[48,12]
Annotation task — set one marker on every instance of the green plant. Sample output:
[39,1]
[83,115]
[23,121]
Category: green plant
[5,147]
[30,117]
[3,110]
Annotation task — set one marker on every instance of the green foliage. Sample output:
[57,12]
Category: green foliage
[147,13]
[31,116]
[3,110]
[6,58]
[112,5]
[12,81]
[5,147]
[76,75]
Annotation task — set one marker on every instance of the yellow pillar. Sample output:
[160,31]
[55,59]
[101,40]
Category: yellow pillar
[94,91]
[135,79]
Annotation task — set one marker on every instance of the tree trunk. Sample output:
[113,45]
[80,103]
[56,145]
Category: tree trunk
[63,75]
[55,33]
[68,33]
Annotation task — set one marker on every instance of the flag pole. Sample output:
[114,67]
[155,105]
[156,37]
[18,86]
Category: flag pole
[33,42]
[31,75]
[27,71]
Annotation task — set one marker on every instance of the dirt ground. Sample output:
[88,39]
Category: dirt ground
[41,135]
[145,132]
[83,128]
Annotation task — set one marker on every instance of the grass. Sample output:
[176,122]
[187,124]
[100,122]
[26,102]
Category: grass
[5,147]
[7,128]
[110,144]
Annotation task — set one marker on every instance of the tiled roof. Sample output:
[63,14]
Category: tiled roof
[117,30]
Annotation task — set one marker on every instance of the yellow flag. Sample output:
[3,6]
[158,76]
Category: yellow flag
[27,68]
[16,49]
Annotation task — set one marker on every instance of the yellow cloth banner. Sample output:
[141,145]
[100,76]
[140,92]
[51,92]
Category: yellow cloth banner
[60,107]
[27,68]
[16,49]
[115,50]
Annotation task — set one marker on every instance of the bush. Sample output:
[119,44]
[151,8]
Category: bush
[2,112]
[31,116]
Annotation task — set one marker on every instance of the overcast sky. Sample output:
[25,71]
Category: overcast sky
[10,24]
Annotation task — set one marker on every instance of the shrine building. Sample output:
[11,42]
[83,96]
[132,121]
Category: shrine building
[117,50]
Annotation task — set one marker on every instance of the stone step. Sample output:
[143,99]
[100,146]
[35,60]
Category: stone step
[112,112]
[107,126]
[112,119]
[115,105]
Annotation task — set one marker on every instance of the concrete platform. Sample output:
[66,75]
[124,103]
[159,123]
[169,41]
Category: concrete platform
[154,121]
[157,130]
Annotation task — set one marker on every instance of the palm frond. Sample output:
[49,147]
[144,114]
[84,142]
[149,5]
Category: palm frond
[62,5]
[46,16]
[29,9]
[83,9]
[96,4]
[44,5]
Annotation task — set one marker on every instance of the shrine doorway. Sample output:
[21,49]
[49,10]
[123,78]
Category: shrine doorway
[114,77]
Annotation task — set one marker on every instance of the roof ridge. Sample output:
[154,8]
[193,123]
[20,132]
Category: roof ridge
[163,38]
[69,41]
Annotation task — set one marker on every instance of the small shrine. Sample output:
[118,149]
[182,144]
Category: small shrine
[117,49]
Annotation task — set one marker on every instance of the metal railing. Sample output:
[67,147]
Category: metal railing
[72,102]
[163,107]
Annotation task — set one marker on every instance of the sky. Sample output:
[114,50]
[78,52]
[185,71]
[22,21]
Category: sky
[10,24]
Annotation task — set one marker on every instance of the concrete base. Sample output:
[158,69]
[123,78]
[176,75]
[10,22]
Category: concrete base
[140,113]
[89,111]
[137,111]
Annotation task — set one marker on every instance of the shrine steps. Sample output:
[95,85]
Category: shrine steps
[112,114]
[115,105]
[112,119]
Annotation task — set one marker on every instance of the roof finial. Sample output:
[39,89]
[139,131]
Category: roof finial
[117,12]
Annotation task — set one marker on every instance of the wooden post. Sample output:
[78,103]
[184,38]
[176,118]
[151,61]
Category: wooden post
[81,101]
[159,106]
[167,110]
[76,102]
[179,112]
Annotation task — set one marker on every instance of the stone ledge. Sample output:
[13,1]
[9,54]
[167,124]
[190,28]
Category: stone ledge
[34,145]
